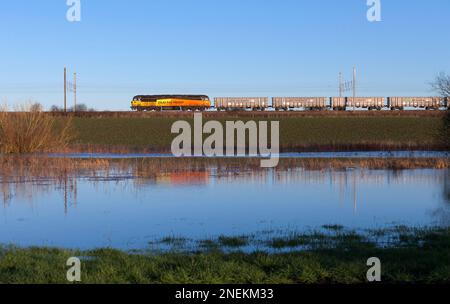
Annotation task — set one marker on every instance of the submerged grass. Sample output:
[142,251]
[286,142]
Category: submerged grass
[233,242]
[416,255]
[173,241]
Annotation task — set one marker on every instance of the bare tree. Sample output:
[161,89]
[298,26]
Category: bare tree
[79,108]
[36,107]
[55,108]
[442,84]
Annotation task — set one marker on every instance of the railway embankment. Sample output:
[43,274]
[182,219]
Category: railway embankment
[124,132]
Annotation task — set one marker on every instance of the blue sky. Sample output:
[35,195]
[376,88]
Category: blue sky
[219,47]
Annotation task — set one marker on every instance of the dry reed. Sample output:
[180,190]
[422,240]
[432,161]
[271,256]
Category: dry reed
[30,131]
[23,168]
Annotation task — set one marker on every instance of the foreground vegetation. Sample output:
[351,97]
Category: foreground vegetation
[29,130]
[445,133]
[411,255]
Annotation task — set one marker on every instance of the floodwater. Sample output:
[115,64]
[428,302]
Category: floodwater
[129,213]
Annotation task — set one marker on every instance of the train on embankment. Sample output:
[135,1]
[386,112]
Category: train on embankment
[203,103]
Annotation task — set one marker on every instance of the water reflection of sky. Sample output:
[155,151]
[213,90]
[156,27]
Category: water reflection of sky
[128,213]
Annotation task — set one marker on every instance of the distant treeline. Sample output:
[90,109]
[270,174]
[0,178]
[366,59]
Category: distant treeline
[79,108]
[37,107]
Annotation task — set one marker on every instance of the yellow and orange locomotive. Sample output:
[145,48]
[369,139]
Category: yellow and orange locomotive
[170,102]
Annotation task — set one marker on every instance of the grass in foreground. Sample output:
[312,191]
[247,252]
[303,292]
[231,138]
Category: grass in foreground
[320,133]
[414,255]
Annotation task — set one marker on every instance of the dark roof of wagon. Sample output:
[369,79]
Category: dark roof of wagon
[193,97]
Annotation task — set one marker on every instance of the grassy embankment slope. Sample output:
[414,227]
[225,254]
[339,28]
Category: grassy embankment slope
[414,256]
[297,133]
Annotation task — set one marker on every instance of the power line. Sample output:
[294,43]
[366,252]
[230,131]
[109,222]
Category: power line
[346,86]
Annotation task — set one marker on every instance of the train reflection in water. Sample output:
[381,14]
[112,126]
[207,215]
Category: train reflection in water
[348,183]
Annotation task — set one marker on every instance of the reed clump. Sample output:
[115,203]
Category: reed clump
[18,169]
[29,130]
[48,167]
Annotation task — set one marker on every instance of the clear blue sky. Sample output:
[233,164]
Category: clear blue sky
[219,47]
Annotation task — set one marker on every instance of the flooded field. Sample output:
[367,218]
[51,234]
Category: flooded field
[126,207]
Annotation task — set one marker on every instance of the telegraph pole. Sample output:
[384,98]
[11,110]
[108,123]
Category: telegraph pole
[75,91]
[354,88]
[65,90]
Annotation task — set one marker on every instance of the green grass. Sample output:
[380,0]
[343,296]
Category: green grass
[134,133]
[415,255]
[296,133]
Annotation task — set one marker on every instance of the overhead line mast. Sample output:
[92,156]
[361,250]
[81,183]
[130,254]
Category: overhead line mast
[65,90]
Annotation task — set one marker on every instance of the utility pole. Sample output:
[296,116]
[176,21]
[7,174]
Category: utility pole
[65,90]
[354,88]
[340,84]
[75,91]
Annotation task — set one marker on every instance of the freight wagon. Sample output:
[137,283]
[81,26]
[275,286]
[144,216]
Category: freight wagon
[241,103]
[338,103]
[371,103]
[428,103]
[307,103]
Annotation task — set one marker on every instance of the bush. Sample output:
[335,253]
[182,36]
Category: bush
[79,108]
[29,130]
[55,108]
[445,131]
[36,107]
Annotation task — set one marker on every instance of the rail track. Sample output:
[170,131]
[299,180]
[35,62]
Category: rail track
[253,114]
